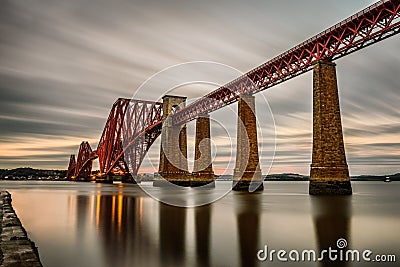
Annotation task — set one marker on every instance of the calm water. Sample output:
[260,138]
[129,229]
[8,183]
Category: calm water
[86,224]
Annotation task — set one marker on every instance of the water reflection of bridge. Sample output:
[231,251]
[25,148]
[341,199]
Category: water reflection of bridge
[138,231]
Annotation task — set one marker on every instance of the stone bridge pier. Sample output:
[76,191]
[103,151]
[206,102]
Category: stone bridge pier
[203,173]
[247,169]
[329,174]
[173,166]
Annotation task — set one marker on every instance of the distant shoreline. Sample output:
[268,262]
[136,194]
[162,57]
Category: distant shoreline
[24,174]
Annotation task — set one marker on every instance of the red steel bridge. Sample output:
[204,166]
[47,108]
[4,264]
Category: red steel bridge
[130,130]
[133,125]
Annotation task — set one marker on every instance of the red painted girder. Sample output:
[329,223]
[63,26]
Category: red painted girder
[135,150]
[141,126]
[129,120]
[83,167]
[71,167]
[110,141]
[371,25]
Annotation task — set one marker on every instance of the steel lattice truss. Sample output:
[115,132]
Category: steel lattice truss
[371,25]
[131,128]
[71,168]
[142,126]
[110,144]
[84,161]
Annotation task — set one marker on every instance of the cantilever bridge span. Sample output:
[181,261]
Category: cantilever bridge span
[131,128]
[133,125]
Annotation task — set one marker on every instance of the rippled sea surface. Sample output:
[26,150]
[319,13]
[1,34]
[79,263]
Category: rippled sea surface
[88,224]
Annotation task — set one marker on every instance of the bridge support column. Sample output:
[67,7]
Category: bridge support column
[83,179]
[329,173]
[105,179]
[129,179]
[203,173]
[173,166]
[247,169]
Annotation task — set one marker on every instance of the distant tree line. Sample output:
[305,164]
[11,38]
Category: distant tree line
[38,174]
[30,173]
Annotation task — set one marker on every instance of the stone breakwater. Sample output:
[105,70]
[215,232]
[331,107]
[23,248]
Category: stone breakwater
[16,249]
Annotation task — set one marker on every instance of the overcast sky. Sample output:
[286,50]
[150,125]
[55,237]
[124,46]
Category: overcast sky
[64,63]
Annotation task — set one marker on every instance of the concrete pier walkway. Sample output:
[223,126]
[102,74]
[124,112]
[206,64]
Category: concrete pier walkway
[16,249]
